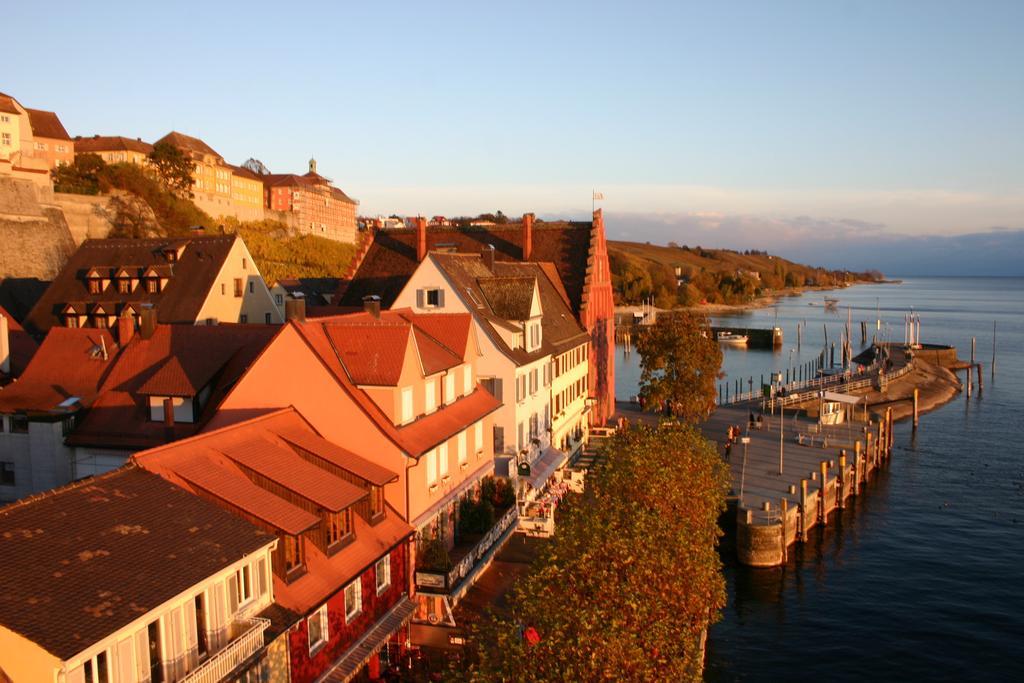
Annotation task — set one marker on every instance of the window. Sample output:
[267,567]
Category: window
[292,553]
[449,387]
[433,298]
[430,397]
[245,264]
[431,468]
[156,659]
[467,381]
[243,318]
[316,628]
[243,584]
[152,285]
[442,456]
[223,289]
[533,381]
[97,669]
[5,119]
[94,285]
[266,318]
[376,500]
[407,413]
[71,320]
[6,139]
[238,287]
[478,436]
[278,299]
[252,287]
[124,286]
[6,473]
[382,570]
[521,435]
[339,526]
[19,424]
[353,600]
[461,445]
[62,148]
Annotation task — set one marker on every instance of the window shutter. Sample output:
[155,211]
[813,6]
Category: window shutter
[261,573]
[232,596]
[419,298]
[440,298]
[498,389]
[125,670]
[76,675]
[191,638]
[499,439]
[142,654]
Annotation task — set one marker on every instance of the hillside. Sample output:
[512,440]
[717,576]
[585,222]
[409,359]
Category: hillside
[281,254]
[688,276]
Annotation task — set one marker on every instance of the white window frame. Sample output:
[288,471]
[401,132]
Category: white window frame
[429,396]
[408,411]
[461,449]
[321,616]
[382,568]
[442,457]
[431,468]
[240,585]
[358,584]
[467,380]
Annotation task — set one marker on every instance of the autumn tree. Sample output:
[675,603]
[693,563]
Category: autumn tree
[679,362]
[79,177]
[631,580]
[173,167]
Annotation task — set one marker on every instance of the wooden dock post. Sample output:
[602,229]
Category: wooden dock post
[868,447]
[889,431]
[974,343]
[824,476]
[993,349]
[917,396]
[856,456]
[841,491]
[981,381]
[784,506]
[803,510]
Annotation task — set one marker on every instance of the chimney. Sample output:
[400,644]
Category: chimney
[421,238]
[371,304]
[147,322]
[5,346]
[295,309]
[527,236]
[488,257]
[169,412]
[125,328]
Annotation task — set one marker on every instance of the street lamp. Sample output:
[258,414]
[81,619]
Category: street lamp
[743,470]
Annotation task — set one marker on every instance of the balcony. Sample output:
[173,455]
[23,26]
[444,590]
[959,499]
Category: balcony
[246,639]
[466,559]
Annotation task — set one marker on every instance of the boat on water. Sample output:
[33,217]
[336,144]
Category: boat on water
[726,337]
[831,302]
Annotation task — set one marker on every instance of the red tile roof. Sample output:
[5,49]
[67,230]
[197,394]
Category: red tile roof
[309,180]
[179,360]
[22,345]
[200,464]
[188,144]
[336,455]
[191,277]
[68,363]
[7,104]
[391,258]
[46,124]
[83,561]
[110,143]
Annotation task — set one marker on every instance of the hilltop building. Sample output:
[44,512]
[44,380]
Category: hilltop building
[32,142]
[115,149]
[311,205]
[577,250]
[126,577]
[200,280]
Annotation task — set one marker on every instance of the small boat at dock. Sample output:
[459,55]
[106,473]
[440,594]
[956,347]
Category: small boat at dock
[733,339]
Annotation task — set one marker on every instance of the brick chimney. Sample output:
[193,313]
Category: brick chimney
[147,322]
[527,236]
[371,304]
[125,328]
[169,412]
[488,257]
[295,309]
[421,238]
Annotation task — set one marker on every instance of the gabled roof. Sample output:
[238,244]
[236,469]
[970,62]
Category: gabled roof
[561,328]
[178,360]
[510,297]
[229,465]
[110,143]
[22,345]
[309,180]
[391,258]
[316,290]
[46,124]
[7,104]
[188,143]
[190,278]
[245,173]
[68,363]
[83,561]
[430,430]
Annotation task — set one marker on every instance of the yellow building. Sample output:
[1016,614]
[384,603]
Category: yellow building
[115,149]
[32,141]
[220,189]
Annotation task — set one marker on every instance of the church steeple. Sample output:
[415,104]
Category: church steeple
[312,165]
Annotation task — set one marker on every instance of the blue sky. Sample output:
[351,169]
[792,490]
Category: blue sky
[902,116]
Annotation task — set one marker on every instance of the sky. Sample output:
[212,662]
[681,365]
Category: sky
[833,131]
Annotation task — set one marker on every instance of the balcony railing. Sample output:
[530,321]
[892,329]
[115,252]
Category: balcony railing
[221,663]
[445,582]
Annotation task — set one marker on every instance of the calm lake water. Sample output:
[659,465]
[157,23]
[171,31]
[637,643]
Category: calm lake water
[922,578]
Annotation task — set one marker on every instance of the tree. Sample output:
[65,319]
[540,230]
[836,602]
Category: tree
[173,168]
[679,362]
[81,176]
[631,581]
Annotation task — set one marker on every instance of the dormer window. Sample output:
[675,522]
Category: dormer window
[376,501]
[124,286]
[70,320]
[291,557]
[153,285]
[94,285]
[337,528]
[171,255]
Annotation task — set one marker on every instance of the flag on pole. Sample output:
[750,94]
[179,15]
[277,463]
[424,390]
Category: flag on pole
[598,196]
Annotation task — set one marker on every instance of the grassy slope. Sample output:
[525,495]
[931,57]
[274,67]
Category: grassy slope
[279,254]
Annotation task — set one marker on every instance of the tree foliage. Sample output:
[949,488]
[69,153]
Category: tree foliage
[679,362]
[631,579]
[80,176]
[174,216]
[173,167]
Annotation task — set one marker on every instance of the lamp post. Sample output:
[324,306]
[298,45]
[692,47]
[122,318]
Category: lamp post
[743,470]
